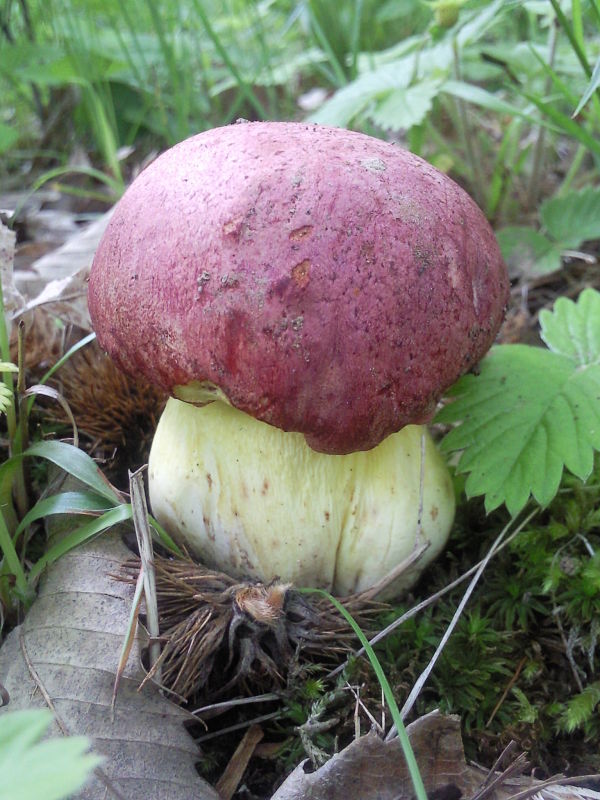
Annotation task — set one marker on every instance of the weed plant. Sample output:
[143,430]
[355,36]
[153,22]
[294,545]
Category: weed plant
[493,93]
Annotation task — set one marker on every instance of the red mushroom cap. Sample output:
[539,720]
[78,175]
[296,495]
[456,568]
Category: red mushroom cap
[328,282]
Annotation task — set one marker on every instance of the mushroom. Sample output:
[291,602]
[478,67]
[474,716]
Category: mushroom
[305,294]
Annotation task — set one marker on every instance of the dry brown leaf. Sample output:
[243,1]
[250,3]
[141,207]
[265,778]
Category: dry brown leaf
[64,656]
[371,769]
[58,281]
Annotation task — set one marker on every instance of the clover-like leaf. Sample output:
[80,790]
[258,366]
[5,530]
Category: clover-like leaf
[531,411]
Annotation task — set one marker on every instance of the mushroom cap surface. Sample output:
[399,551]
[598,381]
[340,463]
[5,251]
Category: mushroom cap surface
[327,282]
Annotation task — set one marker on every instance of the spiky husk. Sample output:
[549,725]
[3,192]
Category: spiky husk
[114,413]
[220,634]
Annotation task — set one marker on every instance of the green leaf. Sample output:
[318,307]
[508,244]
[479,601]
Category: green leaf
[573,329]
[61,765]
[403,108]
[592,87]
[480,97]
[351,100]
[8,137]
[568,126]
[71,460]
[573,218]
[531,411]
[6,396]
[528,252]
[65,503]
[82,534]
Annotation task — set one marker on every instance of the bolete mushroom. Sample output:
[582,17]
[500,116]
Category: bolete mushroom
[306,294]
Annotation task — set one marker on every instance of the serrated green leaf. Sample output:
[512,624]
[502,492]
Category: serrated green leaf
[573,218]
[573,329]
[528,252]
[59,765]
[528,414]
[352,99]
[403,108]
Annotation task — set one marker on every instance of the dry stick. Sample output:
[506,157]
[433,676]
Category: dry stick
[370,594]
[416,690]
[558,780]
[412,612]
[240,726]
[129,638]
[496,780]
[502,759]
[144,541]
[568,651]
[230,779]
[507,689]
[225,705]
[98,772]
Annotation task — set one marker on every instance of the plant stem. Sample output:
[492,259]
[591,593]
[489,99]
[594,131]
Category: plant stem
[11,559]
[572,171]
[22,428]
[466,135]
[11,423]
[539,149]
[577,49]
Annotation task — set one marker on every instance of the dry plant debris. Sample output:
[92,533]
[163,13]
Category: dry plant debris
[371,769]
[219,633]
[117,414]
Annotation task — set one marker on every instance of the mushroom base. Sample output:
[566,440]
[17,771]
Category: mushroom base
[254,501]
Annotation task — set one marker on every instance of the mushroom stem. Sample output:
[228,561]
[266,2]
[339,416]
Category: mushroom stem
[258,502]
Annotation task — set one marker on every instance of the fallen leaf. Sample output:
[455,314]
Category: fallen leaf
[64,656]
[58,280]
[372,769]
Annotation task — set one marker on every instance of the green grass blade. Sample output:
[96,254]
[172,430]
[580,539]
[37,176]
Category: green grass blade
[65,503]
[565,123]
[164,537]
[409,755]
[10,560]
[70,352]
[570,33]
[245,88]
[591,88]
[76,463]
[79,536]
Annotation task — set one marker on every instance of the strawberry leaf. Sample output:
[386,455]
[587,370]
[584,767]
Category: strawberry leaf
[531,411]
